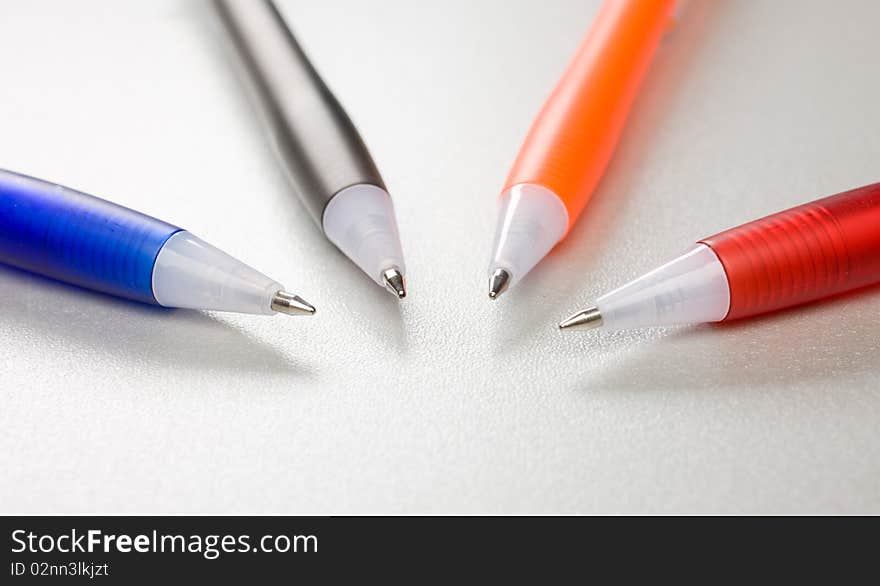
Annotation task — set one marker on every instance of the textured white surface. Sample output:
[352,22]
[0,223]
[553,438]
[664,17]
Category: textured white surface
[447,402]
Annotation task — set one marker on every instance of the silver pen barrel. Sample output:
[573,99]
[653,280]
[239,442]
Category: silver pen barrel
[314,138]
[321,151]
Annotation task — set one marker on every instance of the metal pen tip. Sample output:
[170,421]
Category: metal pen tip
[583,320]
[394,282]
[284,302]
[498,283]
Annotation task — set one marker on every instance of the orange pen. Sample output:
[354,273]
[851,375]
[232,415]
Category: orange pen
[570,143]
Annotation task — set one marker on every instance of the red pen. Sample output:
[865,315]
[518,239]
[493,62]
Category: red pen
[803,254]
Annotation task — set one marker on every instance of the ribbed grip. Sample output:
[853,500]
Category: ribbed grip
[77,238]
[803,254]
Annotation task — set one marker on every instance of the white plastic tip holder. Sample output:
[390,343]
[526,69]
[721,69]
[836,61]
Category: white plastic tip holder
[360,221]
[692,288]
[531,220]
[190,273]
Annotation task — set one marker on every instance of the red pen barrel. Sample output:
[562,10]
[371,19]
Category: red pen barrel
[802,254]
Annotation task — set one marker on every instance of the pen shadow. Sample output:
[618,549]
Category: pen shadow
[835,339]
[365,306]
[530,307]
[53,312]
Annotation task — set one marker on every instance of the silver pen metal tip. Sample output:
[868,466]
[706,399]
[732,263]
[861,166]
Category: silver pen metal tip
[583,320]
[284,302]
[498,283]
[394,282]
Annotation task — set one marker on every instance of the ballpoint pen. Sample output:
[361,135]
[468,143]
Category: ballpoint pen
[573,137]
[802,254]
[80,239]
[320,149]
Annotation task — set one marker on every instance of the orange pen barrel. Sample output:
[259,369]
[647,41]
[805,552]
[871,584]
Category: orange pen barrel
[573,137]
[572,140]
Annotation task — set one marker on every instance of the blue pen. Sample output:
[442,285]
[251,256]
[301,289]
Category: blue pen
[87,241]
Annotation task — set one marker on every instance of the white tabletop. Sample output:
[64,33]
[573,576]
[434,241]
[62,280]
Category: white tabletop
[445,402]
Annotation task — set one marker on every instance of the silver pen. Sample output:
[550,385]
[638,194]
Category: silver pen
[321,151]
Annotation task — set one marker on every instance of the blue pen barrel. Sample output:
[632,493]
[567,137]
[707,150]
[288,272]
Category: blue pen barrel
[78,238]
